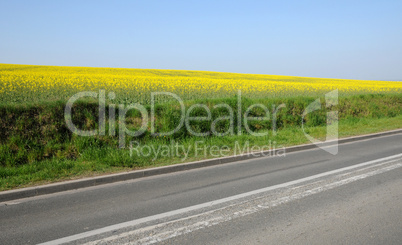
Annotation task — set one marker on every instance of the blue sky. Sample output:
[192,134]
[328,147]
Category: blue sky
[336,39]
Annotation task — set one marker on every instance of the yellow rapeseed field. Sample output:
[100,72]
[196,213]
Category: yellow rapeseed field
[27,83]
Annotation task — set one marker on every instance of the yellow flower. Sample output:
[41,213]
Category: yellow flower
[38,83]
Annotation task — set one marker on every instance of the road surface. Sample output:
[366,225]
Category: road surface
[306,197]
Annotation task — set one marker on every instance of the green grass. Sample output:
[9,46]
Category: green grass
[104,161]
[36,147]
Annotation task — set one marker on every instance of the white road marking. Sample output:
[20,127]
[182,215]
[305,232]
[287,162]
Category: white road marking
[217,220]
[9,203]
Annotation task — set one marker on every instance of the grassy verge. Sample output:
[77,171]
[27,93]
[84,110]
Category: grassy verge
[37,148]
[47,171]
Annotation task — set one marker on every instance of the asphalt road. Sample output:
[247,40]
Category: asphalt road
[363,212]
[359,205]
